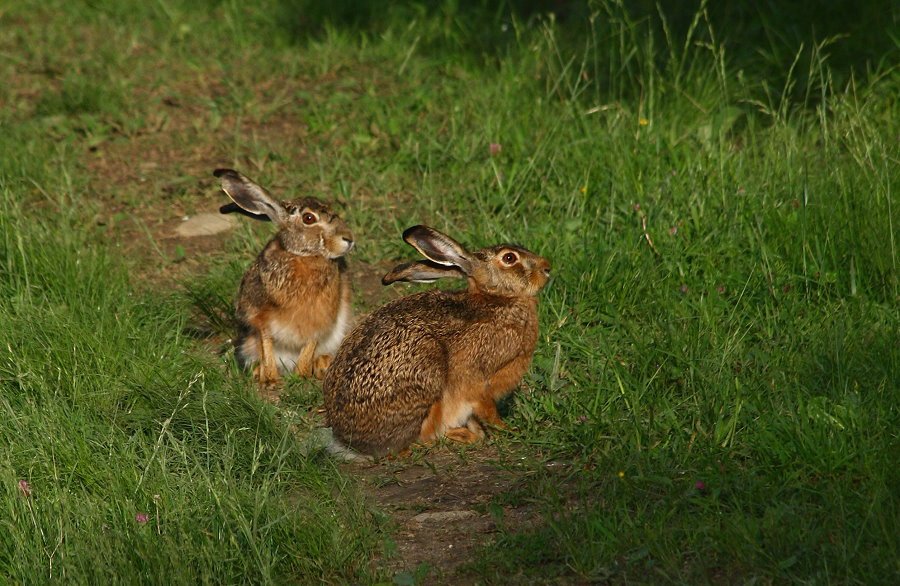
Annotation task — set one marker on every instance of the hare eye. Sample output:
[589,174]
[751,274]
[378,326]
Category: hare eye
[509,258]
[309,218]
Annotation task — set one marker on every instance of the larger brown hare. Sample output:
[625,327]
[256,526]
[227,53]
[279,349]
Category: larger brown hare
[293,306]
[435,363]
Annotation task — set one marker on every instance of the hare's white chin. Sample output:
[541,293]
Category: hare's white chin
[338,247]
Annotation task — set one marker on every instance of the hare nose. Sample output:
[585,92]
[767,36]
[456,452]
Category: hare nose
[348,241]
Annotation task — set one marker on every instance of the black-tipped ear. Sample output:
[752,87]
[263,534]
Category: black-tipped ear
[233,208]
[438,247]
[421,271]
[249,196]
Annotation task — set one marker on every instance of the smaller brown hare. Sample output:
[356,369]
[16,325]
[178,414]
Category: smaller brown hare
[293,306]
[434,364]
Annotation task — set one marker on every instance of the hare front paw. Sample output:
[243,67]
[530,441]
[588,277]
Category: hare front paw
[266,376]
[321,365]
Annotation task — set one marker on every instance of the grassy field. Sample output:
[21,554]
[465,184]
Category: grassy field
[715,397]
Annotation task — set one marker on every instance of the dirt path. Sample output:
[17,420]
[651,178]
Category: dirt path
[442,505]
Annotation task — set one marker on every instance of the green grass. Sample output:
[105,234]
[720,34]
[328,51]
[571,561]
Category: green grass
[718,199]
[108,415]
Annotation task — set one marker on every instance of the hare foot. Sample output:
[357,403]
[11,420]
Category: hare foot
[462,435]
[266,377]
[321,365]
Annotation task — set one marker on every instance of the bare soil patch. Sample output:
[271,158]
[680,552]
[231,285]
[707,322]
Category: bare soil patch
[442,503]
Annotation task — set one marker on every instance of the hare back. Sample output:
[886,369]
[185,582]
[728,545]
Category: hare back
[480,333]
[417,350]
[376,407]
[457,316]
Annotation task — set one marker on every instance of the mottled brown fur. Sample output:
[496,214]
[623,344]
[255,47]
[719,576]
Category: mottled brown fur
[434,364]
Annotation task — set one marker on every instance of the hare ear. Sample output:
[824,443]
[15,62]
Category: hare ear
[251,197]
[232,208]
[439,248]
[421,271]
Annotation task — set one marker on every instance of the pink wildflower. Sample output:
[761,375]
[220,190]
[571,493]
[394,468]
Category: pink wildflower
[495,148]
[25,488]
[142,518]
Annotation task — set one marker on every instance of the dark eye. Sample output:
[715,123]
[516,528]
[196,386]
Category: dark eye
[509,258]
[309,218]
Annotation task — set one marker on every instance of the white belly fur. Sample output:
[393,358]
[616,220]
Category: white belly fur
[329,342]
[288,344]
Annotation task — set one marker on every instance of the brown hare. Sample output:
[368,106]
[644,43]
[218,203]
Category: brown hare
[293,306]
[434,364]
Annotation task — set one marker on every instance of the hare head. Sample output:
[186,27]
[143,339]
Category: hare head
[307,226]
[505,269]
